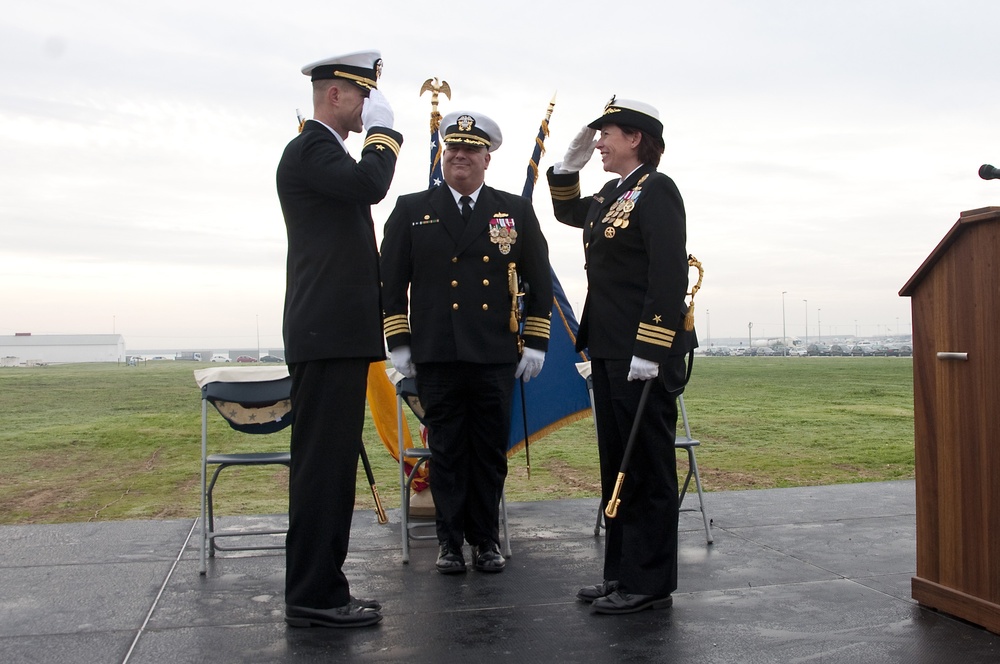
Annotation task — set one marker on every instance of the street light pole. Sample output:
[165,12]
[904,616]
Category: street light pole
[819,327]
[784,334]
[708,328]
[807,321]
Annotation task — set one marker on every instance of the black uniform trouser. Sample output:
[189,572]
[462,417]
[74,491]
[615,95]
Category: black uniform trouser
[641,542]
[328,401]
[467,413]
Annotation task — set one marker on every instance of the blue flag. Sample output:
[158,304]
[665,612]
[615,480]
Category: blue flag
[436,178]
[558,395]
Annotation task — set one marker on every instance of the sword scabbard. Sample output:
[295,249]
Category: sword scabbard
[379,510]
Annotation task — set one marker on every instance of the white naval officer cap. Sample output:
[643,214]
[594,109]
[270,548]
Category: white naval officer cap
[471,128]
[362,68]
[631,113]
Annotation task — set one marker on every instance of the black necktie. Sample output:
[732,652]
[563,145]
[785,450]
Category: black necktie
[466,208]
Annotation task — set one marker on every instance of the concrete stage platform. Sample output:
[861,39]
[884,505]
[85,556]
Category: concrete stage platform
[818,574]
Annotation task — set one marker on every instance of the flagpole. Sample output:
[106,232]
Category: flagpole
[529,187]
[435,176]
[524,419]
[539,150]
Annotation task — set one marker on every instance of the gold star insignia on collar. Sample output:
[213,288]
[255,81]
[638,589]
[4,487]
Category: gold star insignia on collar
[657,319]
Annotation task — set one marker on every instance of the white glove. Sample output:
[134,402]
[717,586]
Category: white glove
[376,111]
[530,364]
[580,150]
[641,369]
[402,362]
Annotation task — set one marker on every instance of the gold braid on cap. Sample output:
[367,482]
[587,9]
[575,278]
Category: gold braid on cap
[366,83]
[689,316]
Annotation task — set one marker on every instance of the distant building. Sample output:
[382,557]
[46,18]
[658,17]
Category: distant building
[59,348]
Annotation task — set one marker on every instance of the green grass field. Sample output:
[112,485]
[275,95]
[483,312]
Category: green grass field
[101,442]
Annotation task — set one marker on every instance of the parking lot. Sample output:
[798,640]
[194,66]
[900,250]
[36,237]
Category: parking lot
[840,349]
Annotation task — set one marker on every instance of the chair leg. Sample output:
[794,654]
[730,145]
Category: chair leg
[701,498]
[404,495]
[211,510]
[405,484]
[503,523]
[202,553]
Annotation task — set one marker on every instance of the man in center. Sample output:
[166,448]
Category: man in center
[454,247]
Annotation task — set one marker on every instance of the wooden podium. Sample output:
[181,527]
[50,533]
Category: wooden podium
[955,304]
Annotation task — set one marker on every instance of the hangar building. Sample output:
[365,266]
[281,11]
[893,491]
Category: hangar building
[55,348]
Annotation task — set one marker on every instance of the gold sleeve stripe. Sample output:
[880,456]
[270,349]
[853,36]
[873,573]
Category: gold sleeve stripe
[570,193]
[396,325]
[537,327]
[382,139]
[658,336]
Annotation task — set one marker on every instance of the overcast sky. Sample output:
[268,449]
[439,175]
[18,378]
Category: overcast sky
[822,149]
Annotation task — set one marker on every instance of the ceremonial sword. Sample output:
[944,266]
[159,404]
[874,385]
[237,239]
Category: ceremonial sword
[611,511]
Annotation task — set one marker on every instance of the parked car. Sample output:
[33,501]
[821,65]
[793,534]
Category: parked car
[839,351]
[271,358]
[863,350]
[818,350]
[906,351]
[218,357]
[246,358]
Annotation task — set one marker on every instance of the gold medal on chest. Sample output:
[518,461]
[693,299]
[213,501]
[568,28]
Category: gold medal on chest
[503,232]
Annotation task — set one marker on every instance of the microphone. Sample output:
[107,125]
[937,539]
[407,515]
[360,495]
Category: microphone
[988,172]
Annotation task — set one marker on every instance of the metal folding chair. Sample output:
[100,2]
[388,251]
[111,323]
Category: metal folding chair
[406,391]
[685,442]
[252,401]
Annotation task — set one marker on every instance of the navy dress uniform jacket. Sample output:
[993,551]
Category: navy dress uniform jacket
[634,239]
[332,304]
[459,302]
[332,330]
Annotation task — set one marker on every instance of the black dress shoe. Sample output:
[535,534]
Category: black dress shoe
[367,603]
[450,560]
[351,614]
[619,602]
[486,558]
[602,589]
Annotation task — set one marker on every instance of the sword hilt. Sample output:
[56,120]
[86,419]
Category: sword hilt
[611,511]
